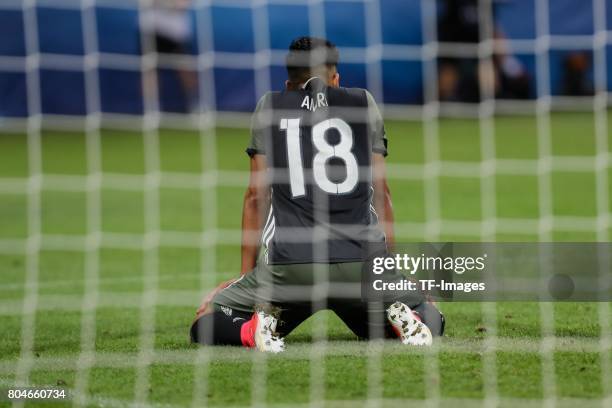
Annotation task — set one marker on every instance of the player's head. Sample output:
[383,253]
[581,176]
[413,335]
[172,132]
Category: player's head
[309,57]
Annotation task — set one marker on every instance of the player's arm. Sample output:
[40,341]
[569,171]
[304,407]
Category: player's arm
[382,194]
[256,204]
[382,197]
[257,197]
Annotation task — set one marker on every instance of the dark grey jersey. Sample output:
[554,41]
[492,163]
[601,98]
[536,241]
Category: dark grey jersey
[318,142]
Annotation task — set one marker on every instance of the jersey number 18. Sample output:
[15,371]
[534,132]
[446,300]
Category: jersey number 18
[325,152]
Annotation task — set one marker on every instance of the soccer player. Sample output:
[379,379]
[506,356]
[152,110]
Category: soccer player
[317,208]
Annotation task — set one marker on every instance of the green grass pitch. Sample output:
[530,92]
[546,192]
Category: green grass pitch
[459,368]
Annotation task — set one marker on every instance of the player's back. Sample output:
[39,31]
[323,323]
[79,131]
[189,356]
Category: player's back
[318,143]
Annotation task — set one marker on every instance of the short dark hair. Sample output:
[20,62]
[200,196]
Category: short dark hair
[307,53]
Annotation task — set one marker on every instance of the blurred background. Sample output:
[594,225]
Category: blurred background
[223,55]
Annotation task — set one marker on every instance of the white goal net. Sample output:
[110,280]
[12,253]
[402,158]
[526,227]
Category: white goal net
[455,161]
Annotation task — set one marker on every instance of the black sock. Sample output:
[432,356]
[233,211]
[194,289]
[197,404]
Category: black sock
[217,328]
[431,317]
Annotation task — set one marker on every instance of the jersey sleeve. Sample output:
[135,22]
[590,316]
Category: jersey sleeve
[258,128]
[377,127]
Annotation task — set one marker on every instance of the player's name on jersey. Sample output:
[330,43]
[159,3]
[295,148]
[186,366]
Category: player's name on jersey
[313,102]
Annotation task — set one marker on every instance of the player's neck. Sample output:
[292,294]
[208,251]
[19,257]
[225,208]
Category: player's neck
[293,86]
[312,80]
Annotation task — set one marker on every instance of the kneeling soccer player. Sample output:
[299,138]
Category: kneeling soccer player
[318,181]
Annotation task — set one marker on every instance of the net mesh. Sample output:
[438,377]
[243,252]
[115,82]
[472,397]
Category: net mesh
[433,228]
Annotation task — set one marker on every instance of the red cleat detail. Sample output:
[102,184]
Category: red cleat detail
[247,332]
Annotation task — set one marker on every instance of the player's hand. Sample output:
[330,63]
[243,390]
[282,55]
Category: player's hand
[204,305]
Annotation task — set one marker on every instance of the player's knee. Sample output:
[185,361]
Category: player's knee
[201,331]
[431,316]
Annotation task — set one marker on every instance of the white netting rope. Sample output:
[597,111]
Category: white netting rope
[32,244]
[152,234]
[431,135]
[600,107]
[373,31]
[208,154]
[316,21]
[488,197]
[93,213]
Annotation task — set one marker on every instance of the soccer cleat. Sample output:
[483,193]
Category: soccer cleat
[408,326]
[260,331]
[265,336]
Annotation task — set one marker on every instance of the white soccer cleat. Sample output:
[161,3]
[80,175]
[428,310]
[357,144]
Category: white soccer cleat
[265,333]
[408,326]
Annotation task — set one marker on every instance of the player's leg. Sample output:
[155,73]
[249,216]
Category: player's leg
[366,320]
[412,317]
[225,326]
[432,317]
[232,316]
[255,330]
[291,316]
[408,326]
[215,327]
[406,314]
[377,320]
[221,315]
[415,323]
[236,316]
[290,287]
